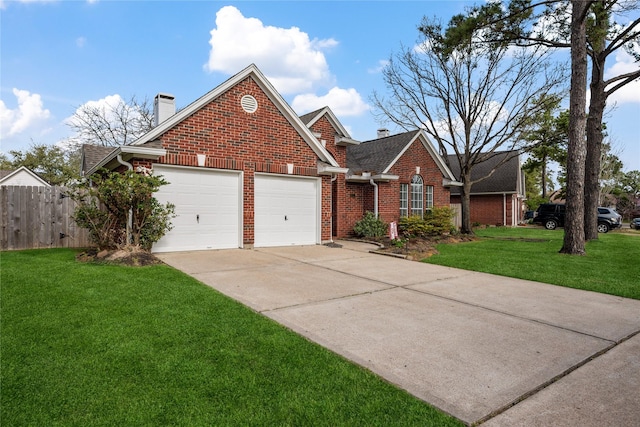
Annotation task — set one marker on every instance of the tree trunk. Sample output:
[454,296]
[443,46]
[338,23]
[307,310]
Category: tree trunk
[597,105]
[574,242]
[593,158]
[465,201]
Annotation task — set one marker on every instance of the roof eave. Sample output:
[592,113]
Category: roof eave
[129,152]
[325,169]
[451,183]
[383,177]
[343,141]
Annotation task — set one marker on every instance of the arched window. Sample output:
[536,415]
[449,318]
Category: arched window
[417,198]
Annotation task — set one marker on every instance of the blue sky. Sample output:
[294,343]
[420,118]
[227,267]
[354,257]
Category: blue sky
[59,55]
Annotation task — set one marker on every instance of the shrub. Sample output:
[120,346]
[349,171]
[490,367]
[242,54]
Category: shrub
[414,226]
[119,209]
[370,226]
[436,222]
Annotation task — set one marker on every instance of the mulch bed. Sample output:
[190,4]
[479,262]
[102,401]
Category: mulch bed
[134,257]
[420,248]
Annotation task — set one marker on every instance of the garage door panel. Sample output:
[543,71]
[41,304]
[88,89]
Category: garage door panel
[207,207]
[286,211]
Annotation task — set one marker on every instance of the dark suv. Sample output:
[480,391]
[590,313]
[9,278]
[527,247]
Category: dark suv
[551,216]
[608,219]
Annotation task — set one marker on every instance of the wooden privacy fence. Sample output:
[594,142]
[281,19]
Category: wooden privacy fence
[457,220]
[39,217]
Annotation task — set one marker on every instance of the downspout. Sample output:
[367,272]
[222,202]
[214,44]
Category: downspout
[375,197]
[130,216]
[334,177]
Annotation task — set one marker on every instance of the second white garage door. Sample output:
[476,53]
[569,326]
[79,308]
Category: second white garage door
[286,211]
[208,208]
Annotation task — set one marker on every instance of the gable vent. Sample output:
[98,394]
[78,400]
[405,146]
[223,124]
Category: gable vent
[249,104]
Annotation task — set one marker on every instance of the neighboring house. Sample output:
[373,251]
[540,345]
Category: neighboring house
[245,170]
[22,176]
[498,199]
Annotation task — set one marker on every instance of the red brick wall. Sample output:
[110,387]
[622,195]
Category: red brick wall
[233,139]
[488,209]
[360,196]
[341,202]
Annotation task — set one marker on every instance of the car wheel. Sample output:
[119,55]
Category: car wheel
[603,228]
[550,224]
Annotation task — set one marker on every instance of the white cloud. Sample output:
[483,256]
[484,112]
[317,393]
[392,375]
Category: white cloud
[378,69]
[106,105]
[343,102]
[26,117]
[81,42]
[630,93]
[287,56]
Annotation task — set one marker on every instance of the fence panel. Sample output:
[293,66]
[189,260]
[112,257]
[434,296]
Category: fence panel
[457,220]
[39,217]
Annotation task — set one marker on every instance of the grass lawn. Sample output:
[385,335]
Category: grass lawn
[86,344]
[611,265]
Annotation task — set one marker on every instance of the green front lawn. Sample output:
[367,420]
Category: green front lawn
[611,266]
[86,344]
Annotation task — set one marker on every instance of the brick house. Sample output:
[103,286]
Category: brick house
[245,170]
[498,199]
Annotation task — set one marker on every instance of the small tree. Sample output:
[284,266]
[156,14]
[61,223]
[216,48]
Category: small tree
[119,210]
[52,163]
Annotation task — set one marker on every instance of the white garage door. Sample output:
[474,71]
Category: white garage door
[286,211]
[208,206]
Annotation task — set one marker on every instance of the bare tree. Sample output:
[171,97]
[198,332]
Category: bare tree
[111,123]
[473,99]
[548,23]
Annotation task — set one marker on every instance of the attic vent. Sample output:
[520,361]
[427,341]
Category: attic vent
[249,104]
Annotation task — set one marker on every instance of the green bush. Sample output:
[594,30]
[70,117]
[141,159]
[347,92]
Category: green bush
[370,226]
[119,209]
[436,222]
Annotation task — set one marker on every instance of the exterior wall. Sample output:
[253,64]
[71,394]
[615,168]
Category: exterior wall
[489,209]
[358,200]
[416,156]
[339,202]
[24,178]
[263,141]
[360,196]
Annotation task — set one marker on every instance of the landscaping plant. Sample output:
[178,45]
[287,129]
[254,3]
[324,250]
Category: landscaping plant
[119,209]
[436,222]
[370,226]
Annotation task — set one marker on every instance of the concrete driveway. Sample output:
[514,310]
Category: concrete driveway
[483,348]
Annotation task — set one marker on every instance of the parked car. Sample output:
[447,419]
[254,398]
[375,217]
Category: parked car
[635,223]
[551,216]
[608,219]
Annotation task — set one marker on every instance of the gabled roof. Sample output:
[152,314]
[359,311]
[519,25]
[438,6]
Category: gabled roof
[342,138]
[92,155]
[7,176]
[379,155]
[310,118]
[253,72]
[506,179]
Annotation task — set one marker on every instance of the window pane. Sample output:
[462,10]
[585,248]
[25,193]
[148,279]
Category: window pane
[428,197]
[404,200]
[417,206]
